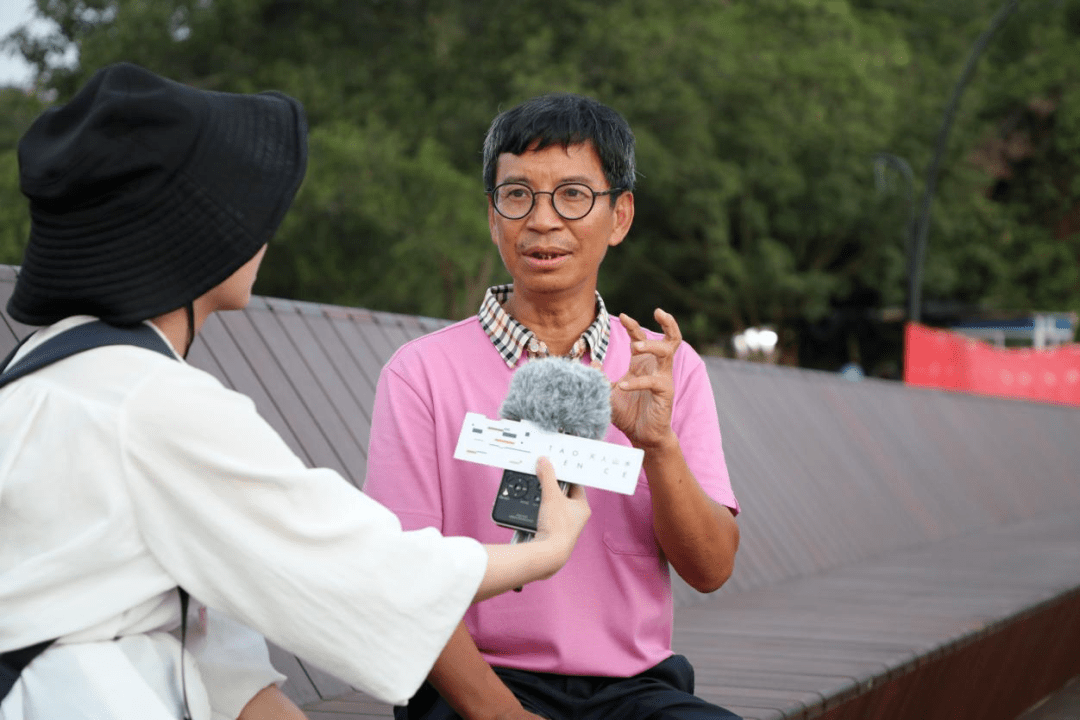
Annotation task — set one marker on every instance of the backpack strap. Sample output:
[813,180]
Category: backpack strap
[184,597]
[7,360]
[85,337]
[13,662]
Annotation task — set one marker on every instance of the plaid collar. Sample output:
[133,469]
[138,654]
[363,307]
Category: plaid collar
[512,339]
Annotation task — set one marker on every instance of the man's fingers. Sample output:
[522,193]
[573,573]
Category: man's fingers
[633,327]
[641,342]
[669,325]
[651,383]
[657,348]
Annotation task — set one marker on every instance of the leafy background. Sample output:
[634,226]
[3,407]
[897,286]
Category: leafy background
[762,199]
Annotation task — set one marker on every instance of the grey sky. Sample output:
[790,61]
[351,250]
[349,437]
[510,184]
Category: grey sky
[13,71]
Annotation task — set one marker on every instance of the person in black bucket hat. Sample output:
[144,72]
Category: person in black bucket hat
[145,193]
[126,474]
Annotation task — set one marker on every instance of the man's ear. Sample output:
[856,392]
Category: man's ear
[624,218]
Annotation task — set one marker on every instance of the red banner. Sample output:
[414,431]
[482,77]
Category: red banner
[944,359]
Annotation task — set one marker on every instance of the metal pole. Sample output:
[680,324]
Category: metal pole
[883,160]
[922,226]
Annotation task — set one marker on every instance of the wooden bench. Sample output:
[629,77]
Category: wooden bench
[905,552]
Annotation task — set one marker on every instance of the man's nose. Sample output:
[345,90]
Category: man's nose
[543,211]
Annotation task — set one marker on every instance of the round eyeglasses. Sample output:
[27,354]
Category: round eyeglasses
[572,201]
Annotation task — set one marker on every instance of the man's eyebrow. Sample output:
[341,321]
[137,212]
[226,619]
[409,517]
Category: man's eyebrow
[570,179]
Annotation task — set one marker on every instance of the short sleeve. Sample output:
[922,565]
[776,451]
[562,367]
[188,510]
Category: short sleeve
[697,424]
[403,446]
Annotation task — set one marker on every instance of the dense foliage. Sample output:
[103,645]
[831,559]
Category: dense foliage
[758,124]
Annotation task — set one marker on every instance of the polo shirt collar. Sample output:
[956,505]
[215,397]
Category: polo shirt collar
[512,339]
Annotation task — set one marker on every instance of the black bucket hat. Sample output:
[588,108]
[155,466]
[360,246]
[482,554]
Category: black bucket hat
[145,193]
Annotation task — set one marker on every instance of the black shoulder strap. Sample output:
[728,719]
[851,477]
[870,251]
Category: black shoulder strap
[184,597]
[13,662]
[85,337]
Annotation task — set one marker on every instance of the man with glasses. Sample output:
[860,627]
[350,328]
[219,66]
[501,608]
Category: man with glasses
[595,640]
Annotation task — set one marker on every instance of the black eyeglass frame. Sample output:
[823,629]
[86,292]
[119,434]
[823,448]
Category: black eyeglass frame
[534,193]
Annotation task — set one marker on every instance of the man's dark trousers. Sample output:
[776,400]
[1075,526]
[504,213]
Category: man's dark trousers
[664,692]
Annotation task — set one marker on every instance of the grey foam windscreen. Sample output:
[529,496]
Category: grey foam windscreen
[560,395]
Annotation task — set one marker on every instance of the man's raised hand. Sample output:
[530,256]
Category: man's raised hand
[641,400]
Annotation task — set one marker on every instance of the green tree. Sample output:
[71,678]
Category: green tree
[1002,235]
[757,126]
[376,221]
[18,108]
[14,218]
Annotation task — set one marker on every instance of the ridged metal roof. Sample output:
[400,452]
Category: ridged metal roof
[831,474]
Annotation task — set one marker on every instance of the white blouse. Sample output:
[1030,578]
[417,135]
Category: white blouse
[124,473]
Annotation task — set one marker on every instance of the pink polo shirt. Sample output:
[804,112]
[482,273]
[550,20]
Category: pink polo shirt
[609,610]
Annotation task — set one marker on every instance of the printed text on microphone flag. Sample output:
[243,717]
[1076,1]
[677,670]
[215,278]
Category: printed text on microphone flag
[517,444]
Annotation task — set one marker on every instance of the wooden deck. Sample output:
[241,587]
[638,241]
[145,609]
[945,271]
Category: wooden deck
[905,552]
[350,706]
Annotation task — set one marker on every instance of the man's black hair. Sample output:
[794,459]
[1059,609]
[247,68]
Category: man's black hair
[563,119]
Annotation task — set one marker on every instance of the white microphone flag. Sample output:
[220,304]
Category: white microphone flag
[518,444]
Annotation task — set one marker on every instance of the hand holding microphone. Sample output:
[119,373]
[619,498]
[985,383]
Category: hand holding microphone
[563,511]
[562,518]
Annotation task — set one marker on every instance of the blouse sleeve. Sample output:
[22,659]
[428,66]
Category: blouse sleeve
[298,554]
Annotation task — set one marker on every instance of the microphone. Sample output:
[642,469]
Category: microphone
[560,395]
[557,395]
